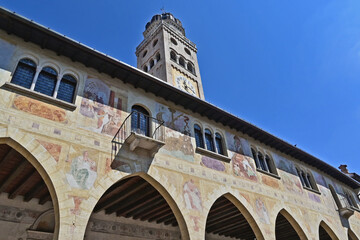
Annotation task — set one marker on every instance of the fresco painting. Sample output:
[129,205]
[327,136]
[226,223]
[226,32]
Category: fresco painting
[178,145]
[284,164]
[212,163]
[77,201]
[173,119]
[238,144]
[195,220]
[270,181]
[192,196]
[319,179]
[101,106]
[314,197]
[243,167]
[52,148]
[262,211]
[292,183]
[83,171]
[39,109]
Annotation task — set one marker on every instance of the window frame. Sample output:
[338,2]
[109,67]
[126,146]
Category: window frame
[30,92]
[307,179]
[266,164]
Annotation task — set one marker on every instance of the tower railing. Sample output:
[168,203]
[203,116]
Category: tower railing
[146,127]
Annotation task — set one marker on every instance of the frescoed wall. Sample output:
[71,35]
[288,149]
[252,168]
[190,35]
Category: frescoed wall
[83,168]
[243,167]
[76,147]
[39,108]
[101,108]
[237,144]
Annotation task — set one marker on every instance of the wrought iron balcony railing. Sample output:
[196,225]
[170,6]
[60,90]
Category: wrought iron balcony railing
[139,131]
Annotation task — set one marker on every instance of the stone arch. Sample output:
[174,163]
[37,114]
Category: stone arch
[326,233]
[236,205]
[284,214]
[30,149]
[352,235]
[142,183]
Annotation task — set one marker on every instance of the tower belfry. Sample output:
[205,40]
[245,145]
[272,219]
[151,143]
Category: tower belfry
[167,54]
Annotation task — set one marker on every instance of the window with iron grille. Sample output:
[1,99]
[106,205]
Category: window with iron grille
[46,81]
[219,144]
[67,89]
[209,140]
[198,136]
[140,120]
[24,73]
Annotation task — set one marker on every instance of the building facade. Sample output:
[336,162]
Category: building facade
[92,148]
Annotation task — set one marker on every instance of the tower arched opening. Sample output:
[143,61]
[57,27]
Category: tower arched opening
[134,208]
[229,219]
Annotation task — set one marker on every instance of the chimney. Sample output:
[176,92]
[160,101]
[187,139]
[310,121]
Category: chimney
[344,169]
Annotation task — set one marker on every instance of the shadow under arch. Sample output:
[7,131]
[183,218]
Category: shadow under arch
[141,197]
[351,235]
[326,233]
[35,163]
[285,220]
[227,215]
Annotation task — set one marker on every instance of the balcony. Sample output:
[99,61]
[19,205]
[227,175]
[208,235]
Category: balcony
[139,132]
[345,208]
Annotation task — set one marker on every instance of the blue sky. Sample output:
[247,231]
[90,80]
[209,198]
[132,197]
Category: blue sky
[290,67]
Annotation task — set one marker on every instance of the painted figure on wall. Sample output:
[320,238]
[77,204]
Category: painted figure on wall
[192,196]
[83,172]
[262,211]
[52,148]
[99,104]
[173,119]
[292,183]
[243,168]
[319,179]
[238,144]
[39,109]
[212,163]
[284,164]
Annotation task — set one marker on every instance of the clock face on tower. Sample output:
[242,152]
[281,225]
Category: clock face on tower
[184,84]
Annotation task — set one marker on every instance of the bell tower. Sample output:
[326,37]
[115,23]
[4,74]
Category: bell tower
[167,54]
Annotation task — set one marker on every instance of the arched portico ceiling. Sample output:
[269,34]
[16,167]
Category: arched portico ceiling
[136,198]
[19,178]
[225,219]
[286,227]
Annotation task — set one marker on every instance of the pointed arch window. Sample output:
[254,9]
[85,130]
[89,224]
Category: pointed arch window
[264,162]
[198,136]
[209,140]
[307,179]
[140,120]
[219,144]
[24,73]
[46,81]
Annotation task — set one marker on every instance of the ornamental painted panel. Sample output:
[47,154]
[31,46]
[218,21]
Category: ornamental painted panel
[243,167]
[39,109]
[238,145]
[101,108]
